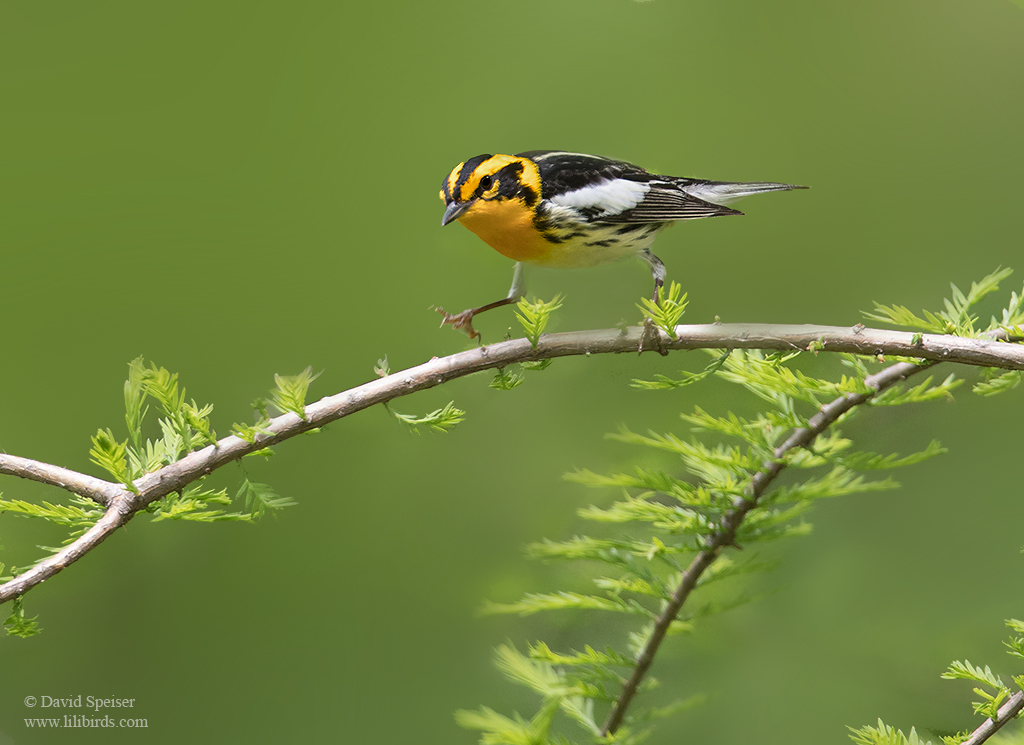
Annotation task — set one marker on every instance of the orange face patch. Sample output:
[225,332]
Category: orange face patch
[507,227]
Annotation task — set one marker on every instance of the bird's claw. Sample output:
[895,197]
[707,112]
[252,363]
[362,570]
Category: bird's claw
[462,321]
[650,338]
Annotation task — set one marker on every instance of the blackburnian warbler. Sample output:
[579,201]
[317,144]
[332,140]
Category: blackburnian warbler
[559,209]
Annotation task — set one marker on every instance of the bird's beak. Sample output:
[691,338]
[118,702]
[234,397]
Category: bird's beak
[455,210]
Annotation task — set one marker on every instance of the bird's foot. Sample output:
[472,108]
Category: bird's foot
[462,321]
[651,339]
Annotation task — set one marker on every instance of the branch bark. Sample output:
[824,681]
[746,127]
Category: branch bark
[1013,706]
[98,490]
[122,505]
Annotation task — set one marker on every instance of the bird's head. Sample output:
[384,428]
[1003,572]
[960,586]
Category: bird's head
[476,188]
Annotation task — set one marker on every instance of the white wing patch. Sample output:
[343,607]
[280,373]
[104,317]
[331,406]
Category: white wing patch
[611,196]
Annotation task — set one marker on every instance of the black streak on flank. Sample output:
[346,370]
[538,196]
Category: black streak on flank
[591,212]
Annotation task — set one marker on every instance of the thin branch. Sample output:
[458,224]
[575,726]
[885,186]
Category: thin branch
[122,504]
[1013,706]
[726,534]
[119,511]
[97,490]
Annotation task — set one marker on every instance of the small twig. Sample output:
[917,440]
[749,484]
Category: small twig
[1013,706]
[122,504]
[726,534]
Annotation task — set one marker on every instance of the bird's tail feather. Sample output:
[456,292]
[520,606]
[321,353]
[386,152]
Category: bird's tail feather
[724,192]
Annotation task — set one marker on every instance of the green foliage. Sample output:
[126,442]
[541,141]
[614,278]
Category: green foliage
[957,317]
[1016,643]
[537,364]
[17,624]
[1012,317]
[966,671]
[249,432]
[989,704]
[874,462]
[662,517]
[883,734]
[560,691]
[992,693]
[662,382]
[924,391]
[536,602]
[135,410]
[291,390]
[505,380]
[995,381]
[79,516]
[199,504]
[260,497]
[1007,735]
[777,384]
[194,504]
[183,426]
[288,395]
[665,315]
[111,456]
[439,420]
[534,316]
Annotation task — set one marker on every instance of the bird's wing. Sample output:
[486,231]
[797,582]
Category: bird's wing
[616,191]
[562,172]
[667,202]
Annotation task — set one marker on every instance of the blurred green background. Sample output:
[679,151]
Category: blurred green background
[240,189]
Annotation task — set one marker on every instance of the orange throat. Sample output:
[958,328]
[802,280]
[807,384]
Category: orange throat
[507,227]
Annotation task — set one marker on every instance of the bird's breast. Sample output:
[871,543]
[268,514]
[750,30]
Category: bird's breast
[563,242]
[507,227]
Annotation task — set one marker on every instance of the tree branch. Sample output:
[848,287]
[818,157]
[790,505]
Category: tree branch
[123,505]
[97,490]
[1013,706]
[726,534]
[119,511]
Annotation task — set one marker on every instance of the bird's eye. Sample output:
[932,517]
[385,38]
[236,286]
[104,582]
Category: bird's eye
[485,182]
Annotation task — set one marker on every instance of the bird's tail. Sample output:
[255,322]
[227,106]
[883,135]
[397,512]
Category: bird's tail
[725,192]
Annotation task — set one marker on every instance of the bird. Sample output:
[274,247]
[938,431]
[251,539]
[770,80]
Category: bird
[561,209]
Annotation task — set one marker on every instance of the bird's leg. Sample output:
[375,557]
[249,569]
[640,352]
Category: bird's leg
[650,333]
[464,321]
[659,272]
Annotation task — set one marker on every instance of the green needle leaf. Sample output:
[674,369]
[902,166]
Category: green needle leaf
[534,317]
